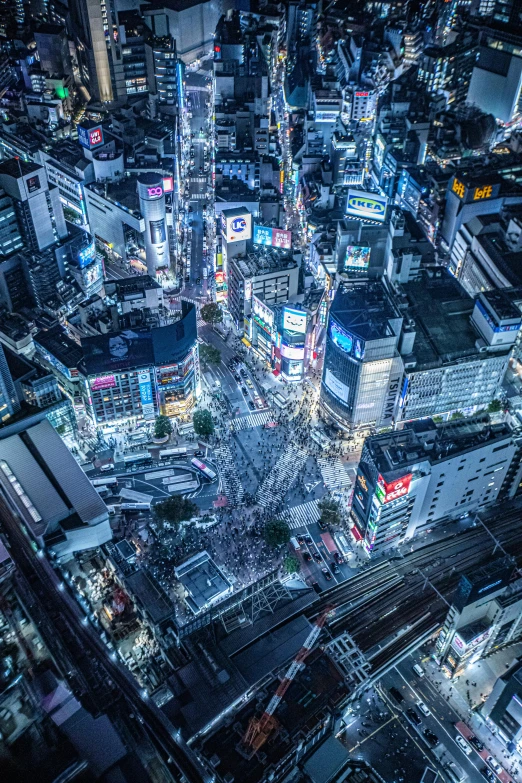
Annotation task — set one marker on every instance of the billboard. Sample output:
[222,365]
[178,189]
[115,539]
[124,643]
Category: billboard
[295,352]
[369,206]
[90,137]
[32,183]
[118,351]
[236,225]
[263,312]
[107,382]
[272,237]
[168,184]
[86,255]
[158,234]
[336,386]
[357,258]
[388,491]
[147,403]
[294,320]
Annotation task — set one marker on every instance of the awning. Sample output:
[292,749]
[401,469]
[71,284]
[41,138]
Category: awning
[246,342]
[355,533]
[275,372]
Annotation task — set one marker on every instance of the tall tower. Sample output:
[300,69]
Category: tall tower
[152,207]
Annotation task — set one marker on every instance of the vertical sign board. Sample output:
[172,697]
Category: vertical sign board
[147,402]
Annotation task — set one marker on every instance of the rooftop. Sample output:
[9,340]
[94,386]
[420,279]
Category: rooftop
[264,261]
[203,581]
[60,346]
[365,309]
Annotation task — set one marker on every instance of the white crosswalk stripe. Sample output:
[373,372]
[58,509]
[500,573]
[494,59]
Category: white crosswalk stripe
[251,421]
[303,515]
[230,480]
[200,196]
[275,486]
[200,322]
[334,473]
[198,179]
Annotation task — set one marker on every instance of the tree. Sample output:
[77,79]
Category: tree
[494,406]
[276,532]
[162,427]
[330,511]
[457,415]
[291,564]
[208,354]
[203,424]
[212,313]
[175,509]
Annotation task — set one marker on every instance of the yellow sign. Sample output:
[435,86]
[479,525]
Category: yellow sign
[485,192]
[459,188]
[362,482]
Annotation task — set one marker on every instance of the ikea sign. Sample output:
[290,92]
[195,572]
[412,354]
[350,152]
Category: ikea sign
[369,206]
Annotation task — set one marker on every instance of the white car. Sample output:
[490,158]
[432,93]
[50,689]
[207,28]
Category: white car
[463,745]
[493,763]
[423,708]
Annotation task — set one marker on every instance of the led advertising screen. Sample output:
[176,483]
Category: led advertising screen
[86,255]
[386,492]
[32,183]
[90,137]
[263,312]
[236,225]
[145,387]
[294,321]
[369,206]
[157,231]
[263,236]
[295,352]
[346,341]
[118,351]
[336,386]
[357,258]
[168,184]
[272,237]
[107,382]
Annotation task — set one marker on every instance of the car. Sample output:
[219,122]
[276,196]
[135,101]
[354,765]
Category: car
[463,745]
[488,774]
[317,587]
[423,708]
[307,538]
[199,453]
[493,763]
[477,744]
[413,716]
[338,558]
[300,540]
[243,372]
[418,670]
[431,737]
[334,568]
[327,575]
[307,556]
[251,405]
[244,390]
[397,695]
[107,468]
[317,557]
[237,377]
[249,383]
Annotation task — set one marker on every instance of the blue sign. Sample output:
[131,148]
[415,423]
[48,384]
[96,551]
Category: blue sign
[239,225]
[147,403]
[83,136]
[363,204]
[263,236]
[342,339]
[86,255]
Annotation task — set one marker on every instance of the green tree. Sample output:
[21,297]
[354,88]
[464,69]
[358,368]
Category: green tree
[494,406]
[457,415]
[175,509]
[162,426]
[208,354]
[276,532]
[437,419]
[203,424]
[330,511]
[292,564]
[212,313]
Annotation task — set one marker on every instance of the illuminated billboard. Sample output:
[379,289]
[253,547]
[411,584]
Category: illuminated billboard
[236,225]
[357,258]
[295,352]
[147,404]
[336,386]
[369,206]
[107,382]
[90,137]
[346,341]
[272,237]
[388,491]
[263,312]
[168,184]
[86,255]
[294,321]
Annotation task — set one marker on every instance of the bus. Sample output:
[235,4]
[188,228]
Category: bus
[280,401]
[105,482]
[135,507]
[177,453]
[207,472]
[138,497]
[138,458]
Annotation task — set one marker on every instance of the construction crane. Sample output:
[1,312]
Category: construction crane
[259,729]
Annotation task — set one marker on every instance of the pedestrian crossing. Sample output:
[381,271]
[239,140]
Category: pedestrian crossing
[198,179]
[303,515]
[230,480]
[275,486]
[251,420]
[334,473]
[200,323]
[200,196]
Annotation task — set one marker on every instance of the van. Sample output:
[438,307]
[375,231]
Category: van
[295,543]
[106,468]
[418,670]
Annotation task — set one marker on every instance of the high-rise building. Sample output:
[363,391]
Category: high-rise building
[37,206]
[362,370]
[9,403]
[10,239]
[412,479]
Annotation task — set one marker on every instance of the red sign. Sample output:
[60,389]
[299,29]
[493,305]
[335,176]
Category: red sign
[168,184]
[394,489]
[361,94]
[95,137]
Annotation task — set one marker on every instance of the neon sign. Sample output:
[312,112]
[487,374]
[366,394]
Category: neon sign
[155,192]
